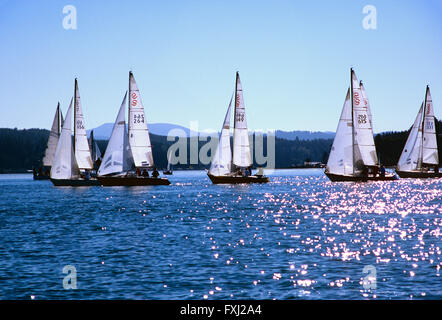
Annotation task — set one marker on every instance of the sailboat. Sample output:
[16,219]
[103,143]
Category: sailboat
[129,153]
[95,150]
[44,172]
[419,158]
[226,168]
[72,160]
[353,154]
[169,170]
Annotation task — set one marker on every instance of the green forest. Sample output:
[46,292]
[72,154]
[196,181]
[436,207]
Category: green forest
[23,149]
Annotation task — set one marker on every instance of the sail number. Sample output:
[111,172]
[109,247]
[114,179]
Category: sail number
[362,118]
[138,118]
[429,125]
[80,124]
[240,116]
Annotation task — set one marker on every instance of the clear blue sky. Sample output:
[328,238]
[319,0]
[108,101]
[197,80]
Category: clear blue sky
[293,58]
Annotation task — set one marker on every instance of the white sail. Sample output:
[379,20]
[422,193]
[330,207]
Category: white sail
[64,165]
[169,159]
[117,157]
[409,159]
[340,160]
[81,145]
[429,145]
[363,130]
[53,137]
[222,160]
[241,146]
[138,133]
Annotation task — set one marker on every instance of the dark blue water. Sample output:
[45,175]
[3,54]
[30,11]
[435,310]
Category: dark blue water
[298,237]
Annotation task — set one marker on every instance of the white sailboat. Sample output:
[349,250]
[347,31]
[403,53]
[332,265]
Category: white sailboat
[168,170]
[226,168]
[95,149]
[73,162]
[419,158]
[131,152]
[44,172]
[353,153]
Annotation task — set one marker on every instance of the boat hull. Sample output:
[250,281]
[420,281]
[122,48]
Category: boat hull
[167,173]
[237,179]
[75,182]
[387,177]
[418,174]
[340,178]
[133,181]
[42,177]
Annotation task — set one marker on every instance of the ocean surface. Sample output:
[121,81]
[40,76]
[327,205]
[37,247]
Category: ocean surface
[298,237]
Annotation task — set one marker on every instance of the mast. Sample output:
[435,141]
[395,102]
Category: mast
[352,121]
[58,118]
[75,110]
[421,156]
[234,112]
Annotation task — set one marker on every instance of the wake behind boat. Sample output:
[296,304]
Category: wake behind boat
[129,155]
[223,168]
[419,158]
[73,164]
[353,154]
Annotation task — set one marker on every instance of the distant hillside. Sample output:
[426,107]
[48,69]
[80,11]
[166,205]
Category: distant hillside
[104,131]
[304,135]
[24,149]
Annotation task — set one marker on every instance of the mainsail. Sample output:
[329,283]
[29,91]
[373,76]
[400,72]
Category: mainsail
[139,139]
[222,160]
[53,137]
[117,157]
[340,160]
[429,143]
[241,145]
[64,165]
[409,159]
[81,145]
[363,131]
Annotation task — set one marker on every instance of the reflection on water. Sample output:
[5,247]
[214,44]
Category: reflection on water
[299,236]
